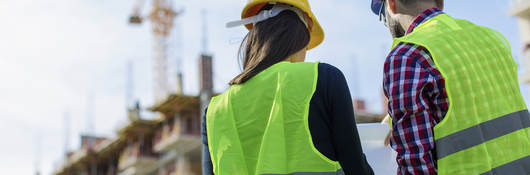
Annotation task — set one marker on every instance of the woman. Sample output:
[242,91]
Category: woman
[282,115]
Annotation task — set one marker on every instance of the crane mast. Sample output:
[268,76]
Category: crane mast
[162,17]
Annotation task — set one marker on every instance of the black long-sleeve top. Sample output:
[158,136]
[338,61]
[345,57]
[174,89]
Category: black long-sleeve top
[331,124]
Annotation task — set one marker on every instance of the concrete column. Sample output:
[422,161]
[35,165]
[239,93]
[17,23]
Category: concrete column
[524,28]
[205,81]
[183,166]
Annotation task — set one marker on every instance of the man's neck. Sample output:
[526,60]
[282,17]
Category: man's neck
[405,21]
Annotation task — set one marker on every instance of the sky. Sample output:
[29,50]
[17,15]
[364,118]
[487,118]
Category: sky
[56,55]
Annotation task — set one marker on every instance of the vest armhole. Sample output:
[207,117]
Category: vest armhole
[442,72]
[208,133]
[306,121]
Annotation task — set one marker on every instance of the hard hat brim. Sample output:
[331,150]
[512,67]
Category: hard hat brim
[316,31]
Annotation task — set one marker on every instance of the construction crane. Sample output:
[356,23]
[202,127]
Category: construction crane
[162,17]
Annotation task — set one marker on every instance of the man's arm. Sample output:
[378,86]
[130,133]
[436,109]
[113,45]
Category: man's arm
[416,102]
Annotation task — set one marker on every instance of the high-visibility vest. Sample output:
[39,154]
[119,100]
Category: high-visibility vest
[486,129]
[261,126]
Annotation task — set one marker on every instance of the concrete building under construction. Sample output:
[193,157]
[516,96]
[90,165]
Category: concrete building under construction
[521,9]
[167,145]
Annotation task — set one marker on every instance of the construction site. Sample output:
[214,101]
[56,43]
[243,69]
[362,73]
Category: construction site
[170,143]
[164,138]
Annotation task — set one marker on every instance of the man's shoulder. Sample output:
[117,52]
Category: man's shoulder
[409,55]
[407,50]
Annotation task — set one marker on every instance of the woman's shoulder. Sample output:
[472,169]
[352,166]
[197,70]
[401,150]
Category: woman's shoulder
[329,71]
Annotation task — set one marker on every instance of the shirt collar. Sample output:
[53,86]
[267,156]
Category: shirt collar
[424,16]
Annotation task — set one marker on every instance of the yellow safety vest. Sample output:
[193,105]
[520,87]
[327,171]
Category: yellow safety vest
[486,130]
[261,126]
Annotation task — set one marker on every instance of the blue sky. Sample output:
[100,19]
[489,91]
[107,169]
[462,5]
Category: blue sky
[53,53]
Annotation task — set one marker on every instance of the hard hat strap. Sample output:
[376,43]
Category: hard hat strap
[266,14]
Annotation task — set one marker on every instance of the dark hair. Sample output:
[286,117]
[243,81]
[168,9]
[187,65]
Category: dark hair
[270,42]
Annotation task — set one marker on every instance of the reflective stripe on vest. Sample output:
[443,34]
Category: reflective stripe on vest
[486,129]
[261,126]
[519,166]
[483,132]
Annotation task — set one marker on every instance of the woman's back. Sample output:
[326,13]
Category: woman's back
[263,124]
[329,116]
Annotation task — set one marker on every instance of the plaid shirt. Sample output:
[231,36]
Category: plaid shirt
[417,101]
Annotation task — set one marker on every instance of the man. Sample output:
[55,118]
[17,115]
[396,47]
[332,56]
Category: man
[453,94]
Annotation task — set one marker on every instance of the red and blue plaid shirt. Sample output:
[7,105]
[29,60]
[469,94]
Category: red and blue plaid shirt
[417,101]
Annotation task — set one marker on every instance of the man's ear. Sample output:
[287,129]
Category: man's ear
[392,6]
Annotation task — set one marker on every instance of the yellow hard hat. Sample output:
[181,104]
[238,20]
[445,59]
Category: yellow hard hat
[316,31]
